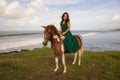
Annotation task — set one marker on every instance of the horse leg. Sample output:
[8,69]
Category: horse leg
[56,62]
[80,52]
[75,57]
[63,61]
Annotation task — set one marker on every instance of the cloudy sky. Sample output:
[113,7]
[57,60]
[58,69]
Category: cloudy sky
[84,14]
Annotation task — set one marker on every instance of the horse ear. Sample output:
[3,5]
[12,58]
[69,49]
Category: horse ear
[43,27]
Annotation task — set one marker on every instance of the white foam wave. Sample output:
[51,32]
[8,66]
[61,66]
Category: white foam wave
[14,44]
[4,46]
[88,34]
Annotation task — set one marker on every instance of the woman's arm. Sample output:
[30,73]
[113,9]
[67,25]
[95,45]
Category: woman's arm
[68,24]
[60,28]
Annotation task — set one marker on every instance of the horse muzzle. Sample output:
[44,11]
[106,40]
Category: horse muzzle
[45,43]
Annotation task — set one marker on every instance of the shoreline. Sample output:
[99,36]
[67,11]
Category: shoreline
[93,41]
[18,51]
[23,50]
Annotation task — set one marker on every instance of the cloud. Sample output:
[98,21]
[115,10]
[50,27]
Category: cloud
[116,17]
[15,15]
[2,7]
[113,23]
[13,10]
[24,21]
[61,2]
[84,14]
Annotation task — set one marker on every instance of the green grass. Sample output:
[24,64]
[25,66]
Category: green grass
[38,64]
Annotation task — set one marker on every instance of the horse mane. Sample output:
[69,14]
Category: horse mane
[55,31]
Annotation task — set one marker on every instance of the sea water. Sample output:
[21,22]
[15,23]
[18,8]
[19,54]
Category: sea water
[92,40]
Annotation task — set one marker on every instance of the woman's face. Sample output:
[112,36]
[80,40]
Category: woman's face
[65,16]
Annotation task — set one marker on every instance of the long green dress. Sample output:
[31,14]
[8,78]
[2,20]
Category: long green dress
[70,42]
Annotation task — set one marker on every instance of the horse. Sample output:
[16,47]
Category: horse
[57,44]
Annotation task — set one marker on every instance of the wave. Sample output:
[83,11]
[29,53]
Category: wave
[7,47]
[88,34]
[27,43]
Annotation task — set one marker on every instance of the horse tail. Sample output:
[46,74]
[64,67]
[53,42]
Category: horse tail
[81,48]
[80,42]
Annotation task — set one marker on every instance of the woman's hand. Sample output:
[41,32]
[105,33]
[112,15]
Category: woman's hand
[62,37]
[63,33]
[67,29]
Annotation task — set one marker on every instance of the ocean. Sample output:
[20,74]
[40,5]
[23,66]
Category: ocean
[28,40]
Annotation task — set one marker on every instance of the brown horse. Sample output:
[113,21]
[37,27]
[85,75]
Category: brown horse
[55,37]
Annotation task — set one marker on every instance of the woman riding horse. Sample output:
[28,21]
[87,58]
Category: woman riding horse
[70,42]
[59,44]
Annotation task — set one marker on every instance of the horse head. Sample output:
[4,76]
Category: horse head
[49,31]
[47,34]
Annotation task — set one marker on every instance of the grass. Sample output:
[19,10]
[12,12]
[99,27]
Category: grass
[38,64]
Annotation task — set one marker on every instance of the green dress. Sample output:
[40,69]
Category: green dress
[70,42]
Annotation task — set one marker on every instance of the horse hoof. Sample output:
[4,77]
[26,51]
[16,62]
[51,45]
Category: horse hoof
[55,70]
[78,64]
[64,72]
[73,63]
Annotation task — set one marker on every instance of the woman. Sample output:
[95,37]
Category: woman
[70,42]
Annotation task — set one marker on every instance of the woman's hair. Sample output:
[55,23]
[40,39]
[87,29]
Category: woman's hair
[67,20]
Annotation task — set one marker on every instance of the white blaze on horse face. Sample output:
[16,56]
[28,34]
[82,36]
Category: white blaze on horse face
[56,37]
[44,37]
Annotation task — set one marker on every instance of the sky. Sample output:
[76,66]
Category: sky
[30,15]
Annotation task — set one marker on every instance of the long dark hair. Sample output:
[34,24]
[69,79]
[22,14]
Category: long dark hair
[67,20]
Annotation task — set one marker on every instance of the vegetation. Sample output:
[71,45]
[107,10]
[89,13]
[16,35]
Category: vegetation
[38,64]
